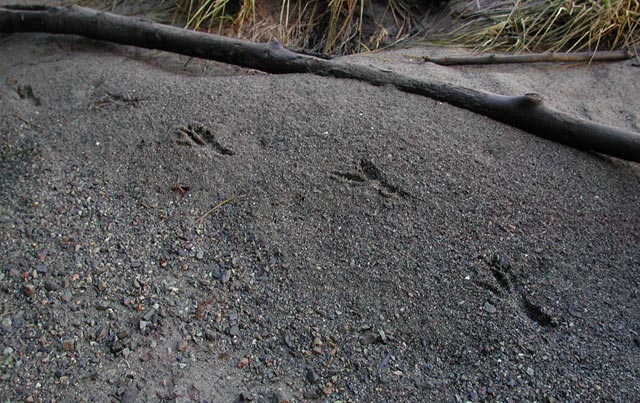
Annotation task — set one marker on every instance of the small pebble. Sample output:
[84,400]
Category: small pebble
[51,285]
[143,325]
[370,338]
[101,333]
[68,344]
[66,296]
[490,308]
[148,314]
[243,362]
[312,376]
[226,276]
[280,396]
[246,397]
[28,289]
[234,331]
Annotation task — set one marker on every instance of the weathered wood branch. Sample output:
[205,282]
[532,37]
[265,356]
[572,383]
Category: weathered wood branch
[494,58]
[526,112]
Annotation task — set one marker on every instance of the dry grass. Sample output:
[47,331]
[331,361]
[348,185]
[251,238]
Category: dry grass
[328,26]
[547,25]
[350,26]
[333,26]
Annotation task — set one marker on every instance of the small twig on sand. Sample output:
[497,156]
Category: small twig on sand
[26,121]
[214,208]
[13,153]
[545,57]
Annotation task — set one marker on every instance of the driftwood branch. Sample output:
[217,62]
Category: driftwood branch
[493,58]
[526,112]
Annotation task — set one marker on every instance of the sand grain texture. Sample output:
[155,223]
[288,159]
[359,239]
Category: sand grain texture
[401,248]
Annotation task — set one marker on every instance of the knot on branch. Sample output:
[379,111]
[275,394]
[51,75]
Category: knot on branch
[530,99]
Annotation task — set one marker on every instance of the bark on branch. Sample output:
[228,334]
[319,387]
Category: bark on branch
[526,112]
[493,58]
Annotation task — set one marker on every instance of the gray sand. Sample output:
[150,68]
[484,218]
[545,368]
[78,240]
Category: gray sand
[383,246]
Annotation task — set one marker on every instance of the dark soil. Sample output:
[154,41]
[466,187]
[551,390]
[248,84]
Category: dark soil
[375,246]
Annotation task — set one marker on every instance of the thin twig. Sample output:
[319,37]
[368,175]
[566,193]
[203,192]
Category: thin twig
[26,121]
[13,153]
[531,58]
[217,206]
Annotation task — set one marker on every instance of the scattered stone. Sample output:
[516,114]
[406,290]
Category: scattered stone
[130,395]
[288,342]
[234,331]
[490,308]
[280,396]
[243,362]
[51,285]
[103,305]
[68,345]
[101,333]
[148,314]
[216,273]
[424,382]
[28,289]
[370,338]
[182,346]
[117,347]
[226,276]
[135,263]
[143,325]
[66,296]
[124,333]
[312,376]
[312,394]
[482,392]
[530,371]
[246,397]
[7,323]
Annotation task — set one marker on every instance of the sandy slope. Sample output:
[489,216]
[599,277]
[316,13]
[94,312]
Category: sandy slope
[394,247]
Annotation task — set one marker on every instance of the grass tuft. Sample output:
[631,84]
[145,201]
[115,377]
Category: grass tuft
[546,25]
[351,26]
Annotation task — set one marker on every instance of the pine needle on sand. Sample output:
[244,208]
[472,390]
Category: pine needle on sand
[214,208]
